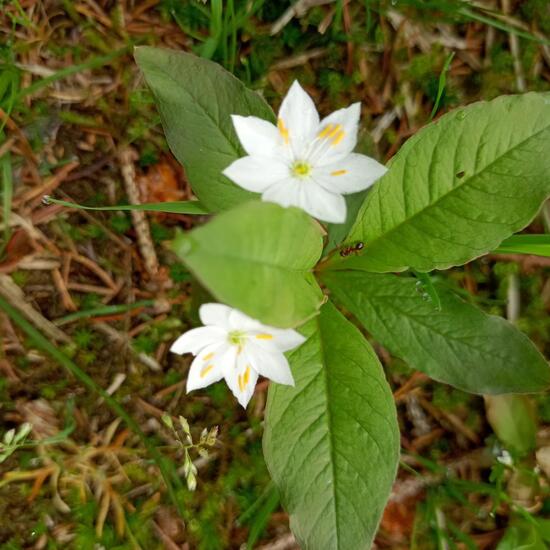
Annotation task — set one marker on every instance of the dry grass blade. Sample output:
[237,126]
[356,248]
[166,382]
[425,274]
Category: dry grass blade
[127,158]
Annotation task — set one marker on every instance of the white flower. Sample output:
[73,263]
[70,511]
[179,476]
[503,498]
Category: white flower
[233,346]
[302,161]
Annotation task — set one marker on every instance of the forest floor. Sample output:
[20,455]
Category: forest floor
[78,123]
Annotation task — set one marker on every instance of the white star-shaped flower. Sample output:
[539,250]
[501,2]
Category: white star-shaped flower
[303,161]
[233,346]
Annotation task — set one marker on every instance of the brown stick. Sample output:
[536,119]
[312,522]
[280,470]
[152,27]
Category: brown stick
[145,242]
[14,295]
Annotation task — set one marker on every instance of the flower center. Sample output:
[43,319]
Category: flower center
[300,169]
[236,337]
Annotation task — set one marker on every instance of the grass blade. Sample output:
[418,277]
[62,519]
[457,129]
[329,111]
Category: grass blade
[539,245]
[492,22]
[442,84]
[103,310]
[6,178]
[177,207]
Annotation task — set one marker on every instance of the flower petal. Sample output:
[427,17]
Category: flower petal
[337,136]
[354,173]
[256,173]
[242,322]
[242,379]
[206,368]
[285,192]
[215,314]
[257,136]
[271,365]
[196,339]
[272,338]
[323,205]
[310,197]
[276,339]
[298,118]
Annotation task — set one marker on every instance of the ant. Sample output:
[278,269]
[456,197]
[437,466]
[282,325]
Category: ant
[347,250]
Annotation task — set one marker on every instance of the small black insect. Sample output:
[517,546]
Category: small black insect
[347,250]
[460,174]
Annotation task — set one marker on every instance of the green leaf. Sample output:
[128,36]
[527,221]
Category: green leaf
[176,207]
[195,98]
[457,189]
[525,244]
[512,418]
[258,258]
[331,443]
[457,344]
[522,535]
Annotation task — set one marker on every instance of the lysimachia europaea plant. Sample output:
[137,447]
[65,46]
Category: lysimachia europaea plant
[455,191]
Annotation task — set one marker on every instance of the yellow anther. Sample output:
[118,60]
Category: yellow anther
[240,380]
[334,131]
[283,130]
[246,376]
[325,131]
[338,138]
[208,356]
[338,172]
[264,336]
[206,370]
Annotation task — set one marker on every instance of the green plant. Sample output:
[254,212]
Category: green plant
[455,191]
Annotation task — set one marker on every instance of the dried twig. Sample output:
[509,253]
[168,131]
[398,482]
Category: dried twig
[286,542]
[145,242]
[514,50]
[412,486]
[14,295]
[122,339]
[298,9]
[299,60]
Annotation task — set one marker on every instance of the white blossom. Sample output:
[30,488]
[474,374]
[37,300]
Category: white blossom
[233,346]
[304,161]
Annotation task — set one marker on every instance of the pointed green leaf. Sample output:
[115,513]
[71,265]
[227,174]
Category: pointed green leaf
[458,188]
[196,99]
[258,258]
[331,443]
[457,344]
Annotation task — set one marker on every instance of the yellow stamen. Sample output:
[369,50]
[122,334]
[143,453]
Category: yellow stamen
[246,376]
[208,356]
[206,370]
[338,138]
[325,131]
[334,131]
[240,380]
[264,336]
[283,130]
[338,172]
